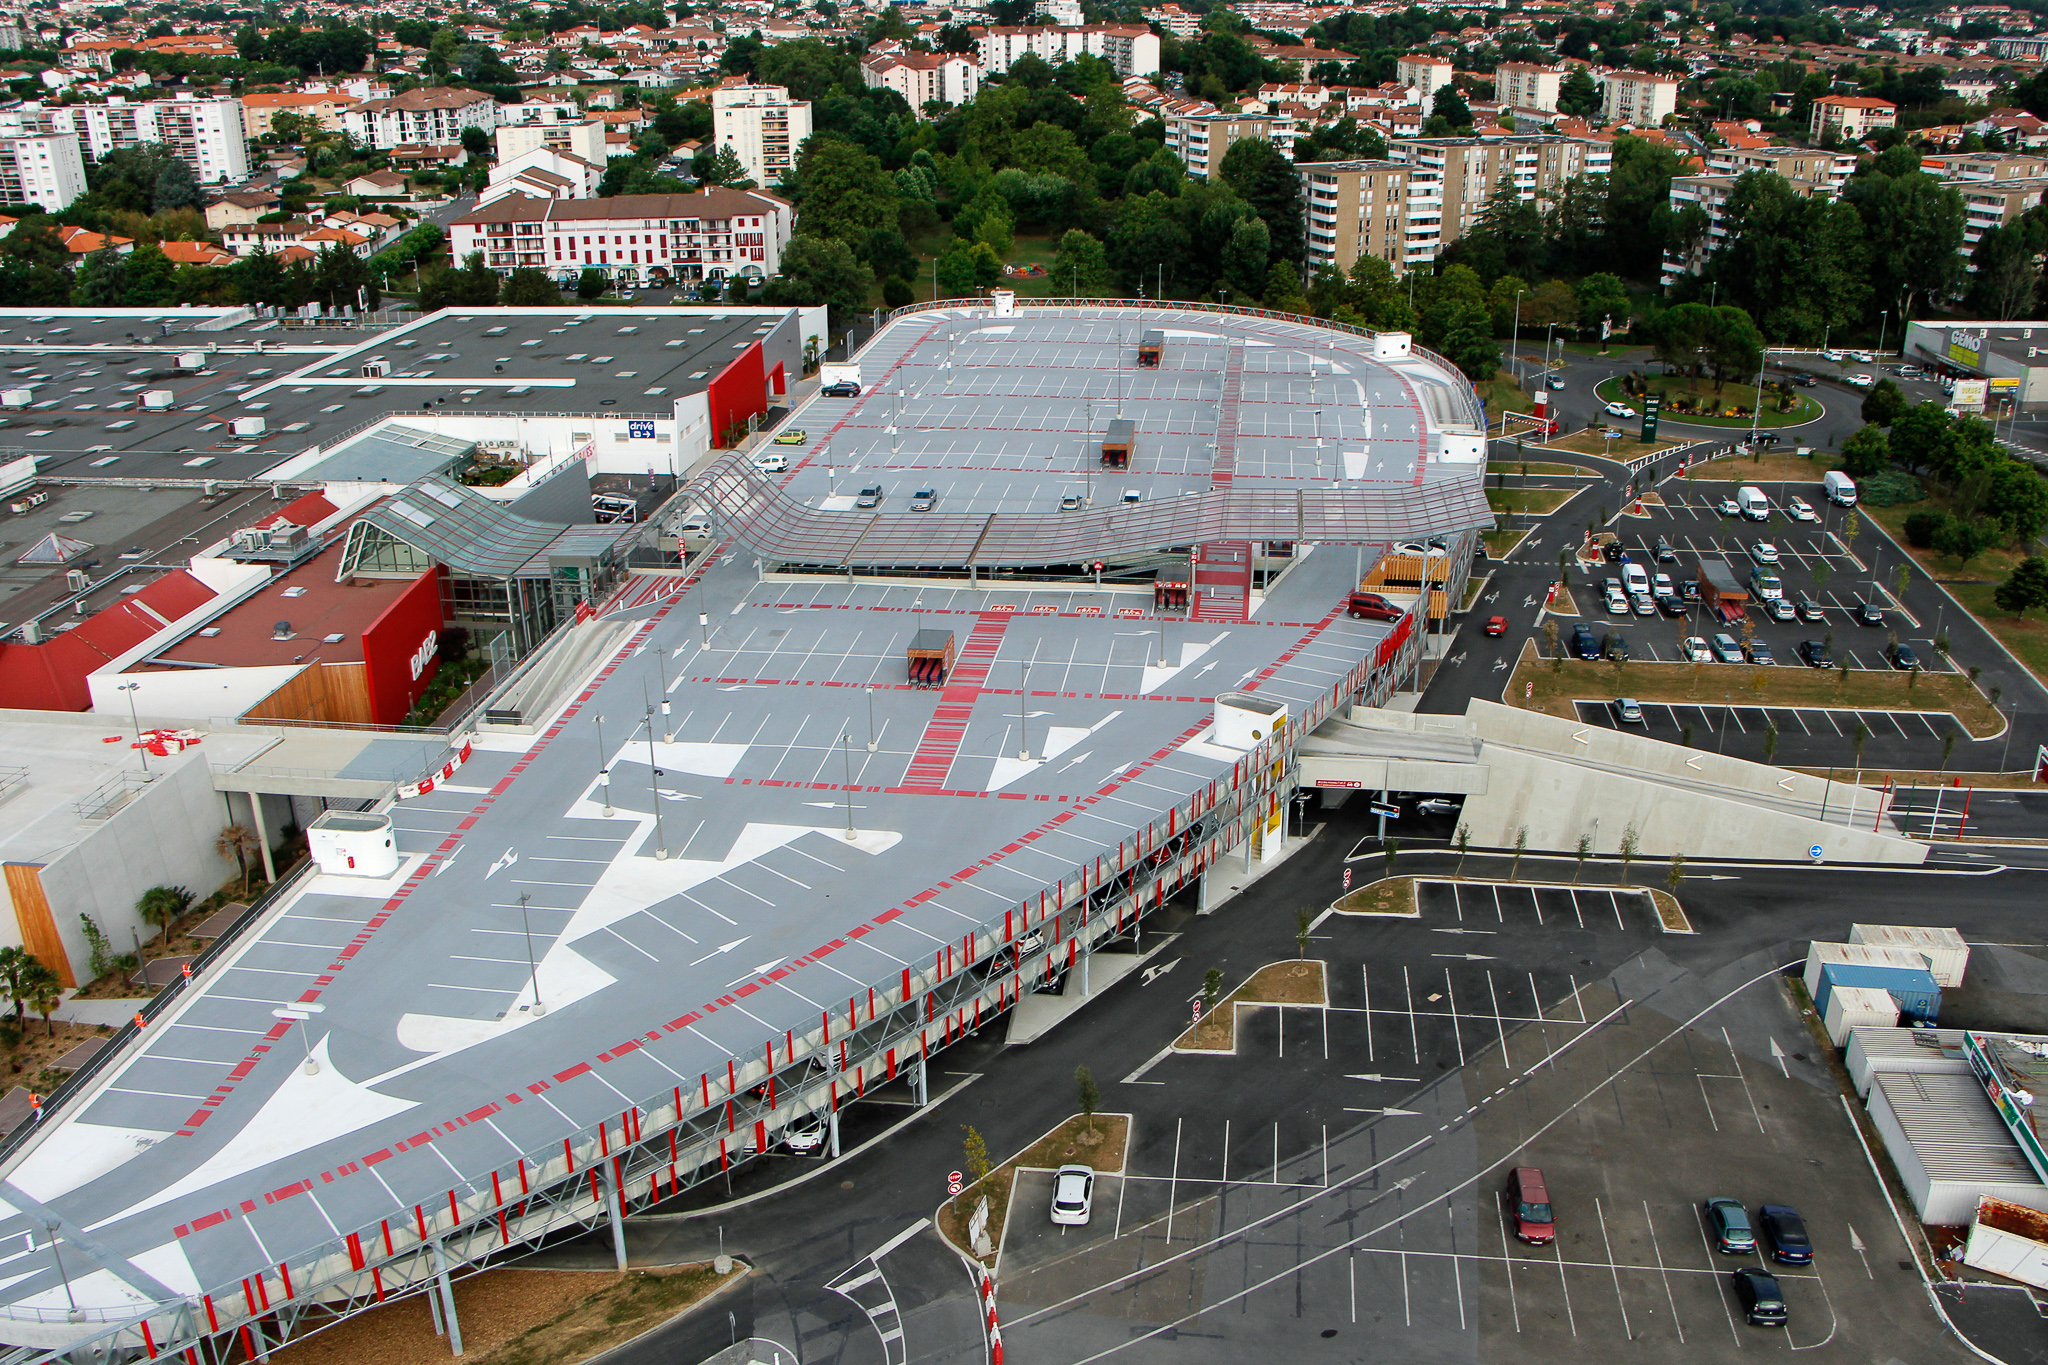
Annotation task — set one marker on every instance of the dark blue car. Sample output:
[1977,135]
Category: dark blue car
[1787,1233]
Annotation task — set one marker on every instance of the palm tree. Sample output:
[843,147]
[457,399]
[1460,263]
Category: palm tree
[15,965]
[161,905]
[42,993]
[235,841]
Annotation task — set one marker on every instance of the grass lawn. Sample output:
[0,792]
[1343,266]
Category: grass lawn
[1502,394]
[1729,396]
[1501,544]
[1282,983]
[1591,442]
[1540,468]
[1766,466]
[1556,689]
[1391,896]
[1098,1142]
[1971,583]
[1542,501]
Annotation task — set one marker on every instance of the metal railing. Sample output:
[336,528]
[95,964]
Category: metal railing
[113,792]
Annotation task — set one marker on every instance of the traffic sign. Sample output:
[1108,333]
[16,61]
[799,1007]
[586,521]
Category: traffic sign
[953,1187]
[1386,808]
[1347,879]
[1198,1010]
[1814,852]
[1528,690]
[953,1177]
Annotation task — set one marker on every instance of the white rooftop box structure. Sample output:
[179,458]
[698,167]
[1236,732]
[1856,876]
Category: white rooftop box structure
[1392,346]
[1243,720]
[248,426]
[1946,953]
[158,400]
[347,844]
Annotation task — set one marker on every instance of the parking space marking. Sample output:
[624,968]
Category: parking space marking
[1600,1217]
[1508,1263]
[1658,1251]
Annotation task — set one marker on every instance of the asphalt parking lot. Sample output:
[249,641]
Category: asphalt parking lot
[1806,735]
[1483,1034]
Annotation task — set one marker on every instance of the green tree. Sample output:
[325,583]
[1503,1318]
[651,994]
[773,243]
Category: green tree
[1577,95]
[1088,1094]
[1244,260]
[2016,497]
[1468,342]
[719,164]
[1883,404]
[1866,454]
[102,280]
[1602,297]
[2024,588]
[1922,437]
[1964,538]
[42,992]
[1449,105]
[1081,265]
[148,279]
[16,967]
[1264,178]
[530,288]
[842,191]
[2005,274]
[821,270]
[1283,289]
[592,283]
[974,1156]
[1914,226]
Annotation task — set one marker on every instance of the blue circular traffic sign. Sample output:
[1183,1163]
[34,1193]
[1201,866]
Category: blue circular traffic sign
[1814,852]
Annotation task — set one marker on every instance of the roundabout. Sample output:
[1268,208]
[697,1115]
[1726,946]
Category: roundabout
[1809,409]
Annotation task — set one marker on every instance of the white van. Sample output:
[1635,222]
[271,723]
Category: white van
[1752,503]
[1635,579]
[1841,489]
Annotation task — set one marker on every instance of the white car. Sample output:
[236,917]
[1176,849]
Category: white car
[1073,1193]
[1800,510]
[1643,604]
[1763,552]
[1859,381]
[1835,356]
[1695,650]
[1619,410]
[804,1137]
[1862,357]
[1728,507]
[771,462]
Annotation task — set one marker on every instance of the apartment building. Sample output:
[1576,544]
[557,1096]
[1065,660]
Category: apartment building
[1356,209]
[948,78]
[1810,170]
[1202,140]
[1451,178]
[326,108]
[1995,203]
[420,118]
[1525,85]
[1131,49]
[45,171]
[1710,193]
[1425,73]
[1637,98]
[585,140]
[1985,166]
[1850,117]
[635,237]
[763,126]
[206,134]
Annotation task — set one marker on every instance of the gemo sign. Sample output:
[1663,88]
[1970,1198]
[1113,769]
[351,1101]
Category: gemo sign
[424,655]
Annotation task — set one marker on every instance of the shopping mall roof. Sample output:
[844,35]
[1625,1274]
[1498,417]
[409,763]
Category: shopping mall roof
[693,890]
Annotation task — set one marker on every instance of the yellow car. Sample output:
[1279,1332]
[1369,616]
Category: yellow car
[790,438]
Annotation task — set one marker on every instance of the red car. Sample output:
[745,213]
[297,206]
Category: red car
[1529,1204]
[1370,606]
[1496,625]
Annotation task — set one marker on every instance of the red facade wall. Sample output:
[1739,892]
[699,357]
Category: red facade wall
[397,640]
[739,391]
[51,676]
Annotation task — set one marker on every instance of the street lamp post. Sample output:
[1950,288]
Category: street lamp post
[604,767]
[1023,723]
[846,766]
[130,688]
[2010,721]
[872,739]
[668,731]
[1515,360]
[654,789]
[1883,322]
[75,1314]
[532,967]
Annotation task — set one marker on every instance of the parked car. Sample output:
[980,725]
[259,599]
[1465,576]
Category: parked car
[1858,381]
[1806,381]
[1799,509]
[1370,606]
[1528,1201]
[1689,589]
[1644,605]
[1763,1302]
[922,500]
[1862,357]
[1866,613]
[1073,1195]
[1727,507]
[793,437]
[1436,805]
[1496,625]
[1695,650]
[1760,653]
[804,1137]
[1787,1233]
[1903,657]
[871,496]
[1816,654]
[771,462]
[1671,604]
[1763,552]
[1070,503]
[1584,645]
[1726,650]
[1661,585]
[1619,410]
[1835,356]
[1612,552]
[1728,1223]
[1614,648]
[1627,710]
[845,388]
[1663,552]
[1617,602]
[1809,610]
[1780,609]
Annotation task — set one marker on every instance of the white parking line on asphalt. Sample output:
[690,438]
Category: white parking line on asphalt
[1658,1251]
[1600,1216]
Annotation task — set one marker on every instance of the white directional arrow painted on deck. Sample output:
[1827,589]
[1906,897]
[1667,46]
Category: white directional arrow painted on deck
[442,866]
[1580,738]
[1376,1076]
[1467,957]
[505,860]
[1778,1056]
[1693,762]
[1464,931]
[1154,973]
[1786,783]
[1391,1113]
[1856,1245]
[722,948]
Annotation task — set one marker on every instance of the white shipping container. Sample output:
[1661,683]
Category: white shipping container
[253,426]
[16,398]
[158,400]
[1947,954]
[1864,955]
[1859,1007]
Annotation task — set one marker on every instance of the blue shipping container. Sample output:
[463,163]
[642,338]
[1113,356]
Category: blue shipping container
[1916,990]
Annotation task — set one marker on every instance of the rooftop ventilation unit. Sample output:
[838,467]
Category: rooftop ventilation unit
[282,630]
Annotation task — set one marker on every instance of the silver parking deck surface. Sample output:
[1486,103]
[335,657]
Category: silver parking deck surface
[704,900]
